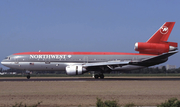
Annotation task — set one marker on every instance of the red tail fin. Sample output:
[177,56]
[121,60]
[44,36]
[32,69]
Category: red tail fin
[158,44]
[162,34]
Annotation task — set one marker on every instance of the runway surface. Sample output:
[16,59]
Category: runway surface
[74,91]
[90,79]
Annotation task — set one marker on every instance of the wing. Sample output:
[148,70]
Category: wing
[110,65]
[159,57]
[154,60]
[104,66]
[106,63]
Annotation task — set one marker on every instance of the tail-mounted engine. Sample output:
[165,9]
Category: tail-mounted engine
[75,70]
[155,48]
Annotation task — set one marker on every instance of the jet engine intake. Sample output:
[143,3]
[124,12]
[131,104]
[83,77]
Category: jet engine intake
[75,70]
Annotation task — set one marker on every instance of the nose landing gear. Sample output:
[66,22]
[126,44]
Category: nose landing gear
[28,74]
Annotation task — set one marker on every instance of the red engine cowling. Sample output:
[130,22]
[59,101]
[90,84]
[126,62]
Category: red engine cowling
[153,48]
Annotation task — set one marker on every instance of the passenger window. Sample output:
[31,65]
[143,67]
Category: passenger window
[31,63]
[47,62]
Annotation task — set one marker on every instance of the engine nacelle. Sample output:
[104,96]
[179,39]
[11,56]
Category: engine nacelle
[75,70]
[153,48]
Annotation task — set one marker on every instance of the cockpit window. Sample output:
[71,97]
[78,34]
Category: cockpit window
[8,58]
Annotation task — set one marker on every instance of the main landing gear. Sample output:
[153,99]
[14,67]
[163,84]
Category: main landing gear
[101,76]
[28,76]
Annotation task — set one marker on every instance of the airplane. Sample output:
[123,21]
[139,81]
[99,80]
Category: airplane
[155,51]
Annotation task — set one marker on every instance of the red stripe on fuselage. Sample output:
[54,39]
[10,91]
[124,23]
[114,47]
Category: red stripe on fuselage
[78,53]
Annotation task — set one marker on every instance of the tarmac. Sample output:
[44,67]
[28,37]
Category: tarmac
[90,79]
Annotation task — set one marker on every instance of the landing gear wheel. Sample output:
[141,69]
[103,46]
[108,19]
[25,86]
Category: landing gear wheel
[28,76]
[96,76]
[101,76]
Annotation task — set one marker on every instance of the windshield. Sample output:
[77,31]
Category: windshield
[8,58]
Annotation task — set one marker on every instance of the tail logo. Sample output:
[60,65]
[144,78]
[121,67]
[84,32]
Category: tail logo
[164,30]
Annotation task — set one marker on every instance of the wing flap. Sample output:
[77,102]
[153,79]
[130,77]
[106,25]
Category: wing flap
[106,63]
[159,57]
[154,60]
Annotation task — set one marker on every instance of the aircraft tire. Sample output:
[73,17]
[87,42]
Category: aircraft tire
[101,76]
[28,76]
[96,76]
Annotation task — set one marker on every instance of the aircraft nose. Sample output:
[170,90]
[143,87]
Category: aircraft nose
[4,62]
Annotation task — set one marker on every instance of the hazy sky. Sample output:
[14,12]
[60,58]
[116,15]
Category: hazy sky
[84,25]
